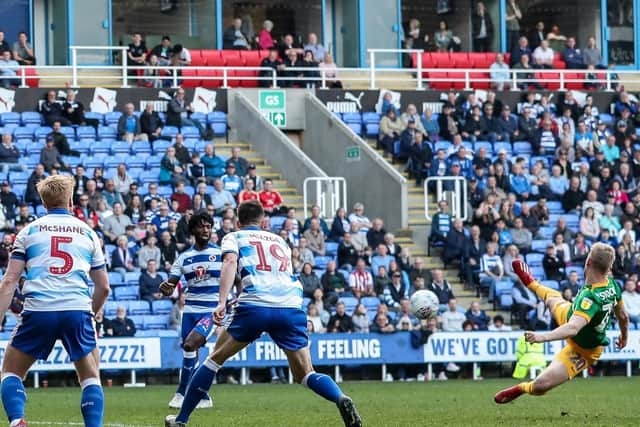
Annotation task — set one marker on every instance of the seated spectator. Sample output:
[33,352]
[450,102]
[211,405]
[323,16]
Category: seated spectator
[163,51]
[149,252]
[381,325]
[271,61]
[309,280]
[150,123]
[334,284]
[572,56]
[448,123]
[182,152]
[171,171]
[443,38]
[115,225]
[313,316]
[381,280]
[149,282]
[558,183]
[31,195]
[452,319]
[584,141]
[610,149]
[234,37]
[293,75]
[553,265]
[498,325]
[543,56]
[391,128]
[22,50]
[508,126]
[491,269]
[360,319]
[51,111]
[360,226]
[441,288]
[608,221]
[73,110]
[214,165]
[519,183]
[10,155]
[122,260]
[589,225]
[430,125]
[524,301]
[521,237]
[519,51]
[270,199]
[573,197]
[341,321]
[361,281]
[381,258]
[556,38]
[315,238]
[572,284]
[231,182]
[546,140]
[478,317]
[500,75]
[152,73]
[395,292]
[4,45]
[122,325]
[50,157]
[129,126]
[454,249]
[181,56]
[311,74]
[375,235]
[562,249]
[347,253]
[178,113]
[315,47]
[631,300]
[122,180]
[175,317]
[85,213]
[8,70]
[221,199]
[102,325]
[511,253]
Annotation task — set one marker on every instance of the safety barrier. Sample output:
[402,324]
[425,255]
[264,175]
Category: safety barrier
[456,196]
[330,194]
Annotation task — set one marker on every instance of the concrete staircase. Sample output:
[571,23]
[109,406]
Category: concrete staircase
[418,232]
[289,193]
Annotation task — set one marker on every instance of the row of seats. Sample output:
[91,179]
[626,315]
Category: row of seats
[35,119]
[139,307]
[227,58]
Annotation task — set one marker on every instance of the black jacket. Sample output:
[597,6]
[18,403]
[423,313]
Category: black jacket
[123,328]
[456,241]
[347,255]
[174,112]
[339,323]
[476,22]
[337,229]
[150,122]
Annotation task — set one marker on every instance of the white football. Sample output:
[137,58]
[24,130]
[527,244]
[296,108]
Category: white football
[424,304]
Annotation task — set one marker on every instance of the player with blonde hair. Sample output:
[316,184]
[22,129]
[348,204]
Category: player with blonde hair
[58,253]
[583,323]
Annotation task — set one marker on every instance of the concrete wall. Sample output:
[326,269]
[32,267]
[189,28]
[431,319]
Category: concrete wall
[247,124]
[370,180]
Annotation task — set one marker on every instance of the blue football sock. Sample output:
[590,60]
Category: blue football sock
[198,388]
[14,397]
[323,385]
[92,403]
[188,367]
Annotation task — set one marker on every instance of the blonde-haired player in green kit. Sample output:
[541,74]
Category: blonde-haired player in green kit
[583,323]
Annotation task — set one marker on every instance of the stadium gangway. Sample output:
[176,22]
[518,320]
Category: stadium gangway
[372,64]
[457,198]
[330,195]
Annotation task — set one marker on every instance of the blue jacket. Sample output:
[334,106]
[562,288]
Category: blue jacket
[519,184]
[573,58]
[213,166]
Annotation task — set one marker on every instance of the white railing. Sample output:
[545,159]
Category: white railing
[373,76]
[330,195]
[456,197]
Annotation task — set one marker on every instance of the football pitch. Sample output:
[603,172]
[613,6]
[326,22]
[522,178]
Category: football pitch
[591,402]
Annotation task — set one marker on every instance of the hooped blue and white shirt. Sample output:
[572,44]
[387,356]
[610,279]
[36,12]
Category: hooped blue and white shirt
[201,272]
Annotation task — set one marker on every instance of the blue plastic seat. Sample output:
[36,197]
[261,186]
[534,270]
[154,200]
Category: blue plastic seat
[94,161]
[160,146]
[372,130]
[95,116]
[497,146]
[522,147]
[277,222]
[21,144]
[349,303]
[539,246]
[10,118]
[110,308]
[219,129]
[22,132]
[371,303]
[138,307]
[201,117]
[442,145]
[169,132]
[190,132]
[547,232]
[31,117]
[123,293]
[322,261]
[165,191]
[534,259]
[217,117]
[86,132]
[34,148]
[538,273]
[163,306]
[331,248]
[100,147]
[116,279]
[352,118]
[371,117]
[555,207]
[17,178]
[550,284]
[114,161]
[148,176]
[69,132]
[356,128]
[503,287]
[112,117]
[140,147]
[137,320]
[505,301]
[107,132]
[81,146]
[156,322]
[136,161]
[120,148]
[153,162]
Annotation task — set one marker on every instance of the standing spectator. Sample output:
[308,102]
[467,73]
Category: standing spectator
[129,126]
[315,237]
[591,54]
[452,319]
[414,36]
[234,38]
[31,195]
[543,56]
[22,50]
[481,29]
[4,45]
[555,38]
[478,316]
[572,56]
[288,46]
[181,56]
[149,282]
[315,47]
[443,37]
[178,112]
[137,53]
[122,325]
[265,40]
[341,321]
[51,110]
[514,15]
[150,122]
[8,200]
[163,51]
[270,199]
[441,288]
[500,75]
[395,292]
[537,36]
[8,70]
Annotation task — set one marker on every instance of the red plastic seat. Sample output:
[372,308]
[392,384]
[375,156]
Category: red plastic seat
[196,58]
[546,80]
[442,84]
[460,60]
[212,58]
[481,84]
[249,78]
[189,82]
[210,83]
[577,85]
[441,60]
[233,61]
[252,58]
[507,58]
[32,80]
[456,79]
[479,60]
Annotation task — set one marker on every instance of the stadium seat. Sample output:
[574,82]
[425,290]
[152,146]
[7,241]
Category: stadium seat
[156,322]
[349,303]
[148,176]
[19,177]
[505,301]
[539,246]
[140,147]
[371,117]
[160,146]
[538,273]
[217,117]
[372,130]
[371,303]
[110,308]
[355,127]
[120,148]
[331,248]
[573,221]
[219,129]
[547,232]
[190,78]
[111,118]
[163,306]
[486,144]
[30,117]
[10,118]
[550,284]
[190,132]
[497,146]
[322,261]
[137,320]
[168,132]
[211,78]
[277,222]
[123,293]
[137,307]
[351,118]
[81,146]
[107,132]
[522,147]
[94,161]
[555,207]
[23,132]
[132,277]
[442,145]
[116,279]
[86,132]
[438,80]
[534,259]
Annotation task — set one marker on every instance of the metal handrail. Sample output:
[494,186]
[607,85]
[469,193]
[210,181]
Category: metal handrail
[459,202]
[74,61]
[372,64]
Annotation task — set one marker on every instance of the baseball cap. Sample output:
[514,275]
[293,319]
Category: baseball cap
[5,183]
[252,166]
[50,138]
[622,123]
[230,165]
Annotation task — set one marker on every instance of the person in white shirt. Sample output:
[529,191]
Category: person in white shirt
[631,300]
[500,75]
[498,325]
[452,319]
[543,55]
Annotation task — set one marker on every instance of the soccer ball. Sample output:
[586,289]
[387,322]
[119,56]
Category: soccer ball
[424,304]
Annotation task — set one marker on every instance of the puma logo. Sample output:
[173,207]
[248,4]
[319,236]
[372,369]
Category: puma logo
[351,97]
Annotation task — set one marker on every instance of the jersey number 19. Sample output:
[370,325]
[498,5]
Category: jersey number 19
[276,251]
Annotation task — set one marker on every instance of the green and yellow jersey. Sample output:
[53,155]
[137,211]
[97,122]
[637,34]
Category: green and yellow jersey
[596,303]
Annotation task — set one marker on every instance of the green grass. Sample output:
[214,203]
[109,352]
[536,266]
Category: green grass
[592,402]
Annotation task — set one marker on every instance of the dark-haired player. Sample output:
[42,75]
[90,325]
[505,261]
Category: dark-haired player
[270,301]
[200,266]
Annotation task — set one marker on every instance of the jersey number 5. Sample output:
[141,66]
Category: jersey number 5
[275,251]
[56,252]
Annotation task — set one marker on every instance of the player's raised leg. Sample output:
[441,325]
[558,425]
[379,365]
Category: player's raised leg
[551,297]
[323,385]
[15,366]
[202,378]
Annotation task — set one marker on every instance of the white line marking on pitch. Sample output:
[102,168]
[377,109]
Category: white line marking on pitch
[67,423]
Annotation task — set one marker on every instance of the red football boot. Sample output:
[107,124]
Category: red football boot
[508,394]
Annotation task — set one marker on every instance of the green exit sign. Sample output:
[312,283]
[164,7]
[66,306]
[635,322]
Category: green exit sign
[272,100]
[353,154]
